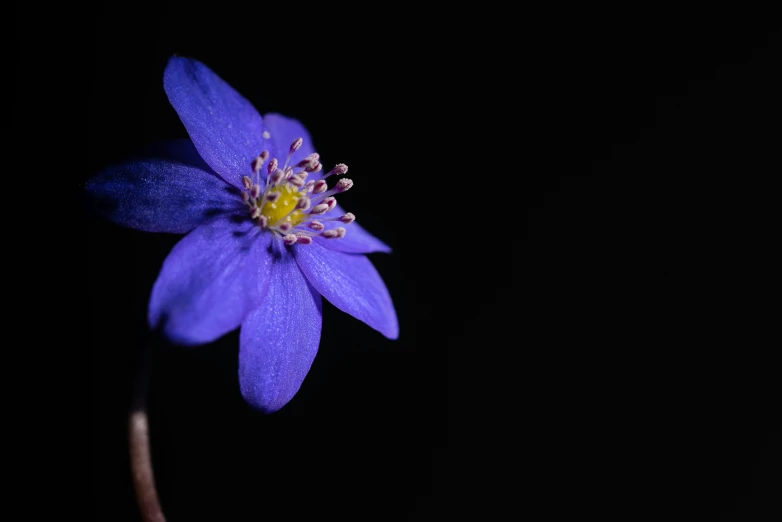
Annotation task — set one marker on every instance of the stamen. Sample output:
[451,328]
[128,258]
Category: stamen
[316,225]
[277,176]
[319,187]
[339,170]
[293,148]
[309,160]
[285,226]
[246,197]
[259,161]
[319,209]
[343,185]
[255,191]
[304,240]
[303,203]
[296,180]
[271,167]
[263,221]
[271,197]
[295,145]
[347,218]
[247,182]
[290,239]
[314,166]
[334,233]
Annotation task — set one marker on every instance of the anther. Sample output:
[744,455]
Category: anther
[262,221]
[343,184]
[247,182]
[245,197]
[303,203]
[255,191]
[334,233]
[259,160]
[304,240]
[297,180]
[285,226]
[348,218]
[290,239]
[316,225]
[339,170]
[331,202]
[271,167]
[309,160]
[271,197]
[255,213]
[319,209]
[314,166]
[295,145]
[277,176]
[319,187]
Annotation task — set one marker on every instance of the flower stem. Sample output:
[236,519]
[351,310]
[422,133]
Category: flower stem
[140,456]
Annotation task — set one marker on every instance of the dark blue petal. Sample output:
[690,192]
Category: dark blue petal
[279,340]
[161,195]
[356,240]
[351,283]
[210,281]
[181,150]
[225,127]
[284,131]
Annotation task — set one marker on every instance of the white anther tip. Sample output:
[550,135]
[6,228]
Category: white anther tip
[344,184]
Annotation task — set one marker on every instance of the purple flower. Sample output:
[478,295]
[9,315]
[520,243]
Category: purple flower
[265,236]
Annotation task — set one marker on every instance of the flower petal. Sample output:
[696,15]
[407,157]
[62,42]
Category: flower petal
[351,283]
[161,195]
[210,281]
[356,240]
[225,127]
[279,340]
[181,150]
[283,131]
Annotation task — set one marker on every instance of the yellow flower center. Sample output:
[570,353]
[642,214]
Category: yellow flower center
[280,208]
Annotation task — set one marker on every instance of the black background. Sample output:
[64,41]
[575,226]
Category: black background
[580,209]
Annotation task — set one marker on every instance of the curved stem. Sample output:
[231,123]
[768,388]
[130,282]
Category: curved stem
[140,456]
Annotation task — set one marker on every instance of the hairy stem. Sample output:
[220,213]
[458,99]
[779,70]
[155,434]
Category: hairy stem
[140,456]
